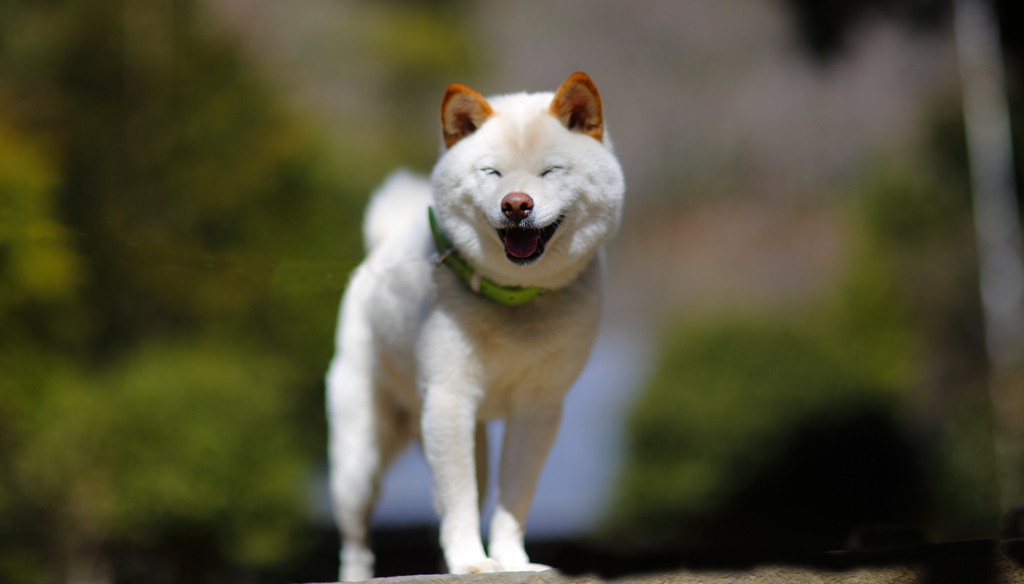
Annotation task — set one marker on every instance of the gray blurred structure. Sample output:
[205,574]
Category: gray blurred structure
[997,228]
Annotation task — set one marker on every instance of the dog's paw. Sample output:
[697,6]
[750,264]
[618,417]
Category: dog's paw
[478,567]
[356,562]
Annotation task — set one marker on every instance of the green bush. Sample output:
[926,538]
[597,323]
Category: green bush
[723,402]
[191,436]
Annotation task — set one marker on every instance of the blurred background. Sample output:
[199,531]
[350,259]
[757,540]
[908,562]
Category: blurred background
[793,356]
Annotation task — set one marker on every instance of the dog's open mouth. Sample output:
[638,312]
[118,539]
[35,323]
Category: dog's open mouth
[523,244]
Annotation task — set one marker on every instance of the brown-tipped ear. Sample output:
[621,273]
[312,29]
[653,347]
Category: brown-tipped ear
[578,106]
[462,112]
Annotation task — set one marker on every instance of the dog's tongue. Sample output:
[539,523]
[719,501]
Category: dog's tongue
[521,243]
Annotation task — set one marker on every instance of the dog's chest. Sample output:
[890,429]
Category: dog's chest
[431,328]
[531,352]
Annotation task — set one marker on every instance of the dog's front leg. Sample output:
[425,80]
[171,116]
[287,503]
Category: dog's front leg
[448,426]
[528,438]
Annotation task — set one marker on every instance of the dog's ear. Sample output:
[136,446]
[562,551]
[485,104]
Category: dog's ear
[578,106]
[462,112]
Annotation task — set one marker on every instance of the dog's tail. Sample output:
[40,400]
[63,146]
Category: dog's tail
[402,197]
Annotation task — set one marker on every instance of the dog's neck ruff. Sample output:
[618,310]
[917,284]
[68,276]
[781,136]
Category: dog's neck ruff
[507,295]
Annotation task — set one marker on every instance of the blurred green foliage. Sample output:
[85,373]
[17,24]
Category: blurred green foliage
[170,439]
[174,240]
[724,399]
[869,409]
[38,260]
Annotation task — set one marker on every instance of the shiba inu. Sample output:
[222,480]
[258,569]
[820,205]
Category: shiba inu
[479,299]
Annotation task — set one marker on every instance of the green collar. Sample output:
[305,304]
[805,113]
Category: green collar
[507,295]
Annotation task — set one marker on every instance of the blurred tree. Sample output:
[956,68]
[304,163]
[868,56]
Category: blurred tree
[824,28]
[157,389]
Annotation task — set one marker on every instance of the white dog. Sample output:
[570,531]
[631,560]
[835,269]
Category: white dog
[479,300]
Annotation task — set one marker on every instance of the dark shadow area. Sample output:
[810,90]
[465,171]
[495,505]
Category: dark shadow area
[414,550]
[842,482]
[973,561]
[846,478]
[400,552]
[845,481]
[188,560]
[1014,549]
[1013,523]
[319,563]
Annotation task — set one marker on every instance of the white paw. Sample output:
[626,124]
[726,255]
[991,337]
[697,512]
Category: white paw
[356,562]
[478,567]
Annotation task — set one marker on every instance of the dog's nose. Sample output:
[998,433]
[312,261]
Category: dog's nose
[517,206]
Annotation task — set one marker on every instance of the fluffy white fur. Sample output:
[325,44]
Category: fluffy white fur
[421,356]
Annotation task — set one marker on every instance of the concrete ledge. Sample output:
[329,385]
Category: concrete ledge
[774,575]
[974,562]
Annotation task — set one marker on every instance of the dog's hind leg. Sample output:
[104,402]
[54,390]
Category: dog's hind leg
[365,435]
[355,464]
[528,438]
[366,431]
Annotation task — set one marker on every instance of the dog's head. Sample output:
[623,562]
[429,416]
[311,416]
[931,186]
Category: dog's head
[527,188]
